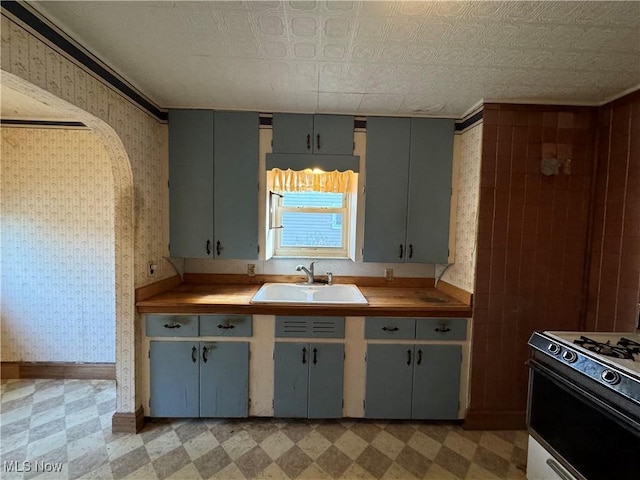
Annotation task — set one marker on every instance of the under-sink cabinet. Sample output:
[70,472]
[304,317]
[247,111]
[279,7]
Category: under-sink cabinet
[194,374]
[308,374]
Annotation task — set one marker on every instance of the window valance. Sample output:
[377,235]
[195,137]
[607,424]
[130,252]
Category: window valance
[309,180]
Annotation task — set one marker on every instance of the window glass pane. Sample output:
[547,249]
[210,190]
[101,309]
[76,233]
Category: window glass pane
[312,199]
[311,230]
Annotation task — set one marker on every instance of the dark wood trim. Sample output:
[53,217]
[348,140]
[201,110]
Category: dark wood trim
[495,420]
[61,370]
[455,292]
[240,279]
[161,286]
[128,422]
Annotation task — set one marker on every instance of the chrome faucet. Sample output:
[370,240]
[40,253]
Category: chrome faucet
[307,271]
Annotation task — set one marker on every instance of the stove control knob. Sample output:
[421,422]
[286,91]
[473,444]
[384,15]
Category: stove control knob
[569,356]
[611,377]
[554,348]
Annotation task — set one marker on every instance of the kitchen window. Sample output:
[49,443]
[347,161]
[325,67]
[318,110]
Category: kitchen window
[311,213]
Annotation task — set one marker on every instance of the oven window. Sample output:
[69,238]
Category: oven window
[588,438]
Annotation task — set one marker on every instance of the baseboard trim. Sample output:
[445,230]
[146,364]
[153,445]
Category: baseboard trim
[59,370]
[125,422]
[495,420]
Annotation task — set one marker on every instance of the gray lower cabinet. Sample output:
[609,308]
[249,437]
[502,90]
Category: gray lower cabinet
[199,379]
[308,380]
[413,381]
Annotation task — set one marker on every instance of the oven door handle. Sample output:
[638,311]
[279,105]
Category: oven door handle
[630,423]
[556,467]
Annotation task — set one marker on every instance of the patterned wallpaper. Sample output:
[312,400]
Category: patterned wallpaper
[138,148]
[57,255]
[462,272]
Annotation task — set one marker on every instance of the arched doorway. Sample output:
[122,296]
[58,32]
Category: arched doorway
[122,178]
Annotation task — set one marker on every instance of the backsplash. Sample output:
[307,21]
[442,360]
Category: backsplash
[57,240]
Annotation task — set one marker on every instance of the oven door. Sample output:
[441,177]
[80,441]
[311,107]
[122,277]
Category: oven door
[587,434]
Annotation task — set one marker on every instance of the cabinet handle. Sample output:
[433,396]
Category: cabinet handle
[401,251]
[318,141]
[194,354]
[218,247]
[208,247]
[304,355]
[442,329]
[173,325]
[226,326]
[419,361]
[315,356]
[390,329]
[410,250]
[408,357]
[308,141]
[205,354]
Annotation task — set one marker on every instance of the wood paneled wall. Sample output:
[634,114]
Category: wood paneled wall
[614,280]
[532,246]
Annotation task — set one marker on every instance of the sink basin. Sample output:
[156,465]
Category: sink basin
[314,294]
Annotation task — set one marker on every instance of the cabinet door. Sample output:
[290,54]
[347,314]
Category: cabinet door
[429,190]
[191,183]
[436,382]
[389,379]
[224,379]
[291,380]
[326,373]
[386,189]
[236,185]
[333,134]
[292,133]
[174,368]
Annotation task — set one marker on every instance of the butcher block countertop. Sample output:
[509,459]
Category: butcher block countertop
[202,294]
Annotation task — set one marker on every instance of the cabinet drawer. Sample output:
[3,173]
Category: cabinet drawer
[225,325]
[172,325]
[390,327]
[310,327]
[441,328]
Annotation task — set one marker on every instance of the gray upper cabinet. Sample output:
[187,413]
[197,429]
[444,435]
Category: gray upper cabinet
[320,134]
[235,190]
[213,184]
[408,189]
[191,183]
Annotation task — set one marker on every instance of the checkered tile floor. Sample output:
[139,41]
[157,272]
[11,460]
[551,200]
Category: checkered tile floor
[62,429]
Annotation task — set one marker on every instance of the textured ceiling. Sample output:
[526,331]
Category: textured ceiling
[391,58]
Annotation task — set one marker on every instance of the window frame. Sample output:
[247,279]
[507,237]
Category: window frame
[280,251]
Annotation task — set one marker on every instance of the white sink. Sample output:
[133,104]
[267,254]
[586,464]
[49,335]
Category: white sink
[314,294]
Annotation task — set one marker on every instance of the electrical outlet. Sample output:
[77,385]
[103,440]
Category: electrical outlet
[151,268]
[388,274]
[251,269]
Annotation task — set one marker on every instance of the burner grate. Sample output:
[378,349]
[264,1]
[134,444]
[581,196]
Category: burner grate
[625,348]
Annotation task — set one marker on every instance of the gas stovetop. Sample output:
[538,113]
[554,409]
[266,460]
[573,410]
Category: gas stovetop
[618,350]
[610,359]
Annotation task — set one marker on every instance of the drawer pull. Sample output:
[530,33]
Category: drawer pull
[205,354]
[226,326]
[304,355]
[442,329]
[173,325]
[408,357]
[390,329]
[194,354]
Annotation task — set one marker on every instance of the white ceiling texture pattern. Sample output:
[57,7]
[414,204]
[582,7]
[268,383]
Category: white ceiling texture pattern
[385,58]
